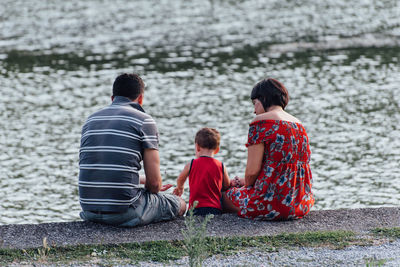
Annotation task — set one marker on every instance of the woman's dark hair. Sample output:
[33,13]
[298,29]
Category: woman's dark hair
[270,92]
[128,85]
[208,138]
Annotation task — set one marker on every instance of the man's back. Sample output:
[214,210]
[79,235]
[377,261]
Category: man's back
[112,144]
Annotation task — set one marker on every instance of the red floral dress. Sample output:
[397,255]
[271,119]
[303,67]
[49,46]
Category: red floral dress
[282,189]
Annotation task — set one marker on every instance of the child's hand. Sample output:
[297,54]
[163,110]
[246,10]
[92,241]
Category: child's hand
[240,181]
[178,191]
[165,187]
[237,182]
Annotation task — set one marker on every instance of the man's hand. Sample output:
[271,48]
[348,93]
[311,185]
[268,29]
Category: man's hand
[178,191]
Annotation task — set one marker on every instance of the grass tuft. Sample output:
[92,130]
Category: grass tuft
[44,251]
[373,261]
[195,242]
[387,232]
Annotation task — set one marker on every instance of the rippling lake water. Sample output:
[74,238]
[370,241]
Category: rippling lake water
[339,60]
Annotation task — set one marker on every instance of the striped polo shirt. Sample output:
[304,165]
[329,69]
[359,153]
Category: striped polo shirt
[112,144]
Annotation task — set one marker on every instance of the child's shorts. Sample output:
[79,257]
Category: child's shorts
[203,211]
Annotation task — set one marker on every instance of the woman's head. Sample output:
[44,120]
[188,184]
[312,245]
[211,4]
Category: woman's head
[270,92]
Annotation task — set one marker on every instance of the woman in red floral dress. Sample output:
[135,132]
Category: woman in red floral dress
[278,180]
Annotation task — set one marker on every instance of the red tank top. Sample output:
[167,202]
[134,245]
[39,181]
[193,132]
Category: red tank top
[205,182]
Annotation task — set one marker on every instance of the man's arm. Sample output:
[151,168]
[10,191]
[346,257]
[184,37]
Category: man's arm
[151,164]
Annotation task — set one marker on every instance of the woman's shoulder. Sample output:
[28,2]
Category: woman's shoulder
[269,121]
[272,116]
[262,124]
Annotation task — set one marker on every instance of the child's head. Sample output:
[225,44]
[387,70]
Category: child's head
[208,138]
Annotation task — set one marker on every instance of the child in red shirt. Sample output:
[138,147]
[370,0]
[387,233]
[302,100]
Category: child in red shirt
[207,176]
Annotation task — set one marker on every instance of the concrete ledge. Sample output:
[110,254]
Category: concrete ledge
[74,233]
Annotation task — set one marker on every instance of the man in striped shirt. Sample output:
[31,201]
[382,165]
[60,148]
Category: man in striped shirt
[114,141]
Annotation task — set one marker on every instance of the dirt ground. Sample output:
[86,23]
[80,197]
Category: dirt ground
[73,233]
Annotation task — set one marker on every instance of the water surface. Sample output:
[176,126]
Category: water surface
[199,60]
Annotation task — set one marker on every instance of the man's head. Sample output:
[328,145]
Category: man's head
[208,138]
[128,85]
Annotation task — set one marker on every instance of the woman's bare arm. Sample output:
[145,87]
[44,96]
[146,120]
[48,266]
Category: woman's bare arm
[255,155]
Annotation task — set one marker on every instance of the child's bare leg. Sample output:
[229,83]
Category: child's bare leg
[228,206]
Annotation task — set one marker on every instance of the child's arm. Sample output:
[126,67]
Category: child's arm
[180,182]
[226,183]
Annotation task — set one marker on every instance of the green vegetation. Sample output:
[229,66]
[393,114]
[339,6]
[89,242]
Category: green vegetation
[194,237]
[44,251]
[387,232]
[165,251]
[160,251]
[194,242]
[372,262]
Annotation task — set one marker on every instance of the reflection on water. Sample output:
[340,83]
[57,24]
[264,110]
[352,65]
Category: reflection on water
[199,61]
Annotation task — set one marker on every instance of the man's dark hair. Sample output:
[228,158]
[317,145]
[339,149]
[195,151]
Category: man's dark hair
[270,92]
[128,85]
[207,138]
